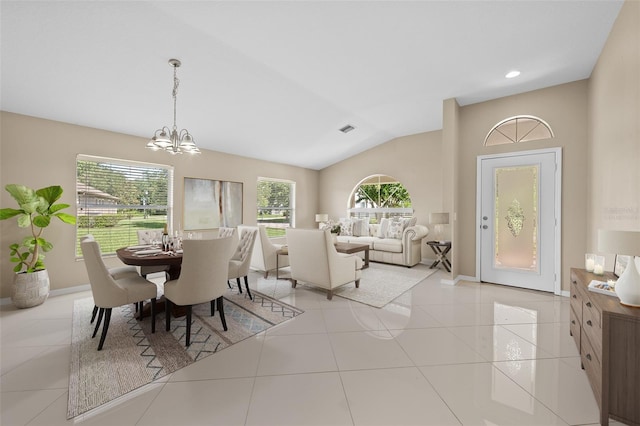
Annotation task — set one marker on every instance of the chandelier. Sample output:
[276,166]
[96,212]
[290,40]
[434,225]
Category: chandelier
[171,140]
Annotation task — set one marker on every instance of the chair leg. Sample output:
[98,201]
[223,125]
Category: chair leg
[246,285]
[167,315]
[294,283]
[141,315]
[188,339]
[357,283]
[266,274]
[153,315]
[105,327]
[229,283]
[213,307]
[330,294]
[93,315]
[239,286]
[95,330]
[221,310]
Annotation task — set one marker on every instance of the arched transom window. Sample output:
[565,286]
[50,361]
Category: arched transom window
[380,196]
[522,128]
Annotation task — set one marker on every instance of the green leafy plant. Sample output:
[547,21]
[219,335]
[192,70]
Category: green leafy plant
[36,209]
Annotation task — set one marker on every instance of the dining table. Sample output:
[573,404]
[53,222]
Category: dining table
[138,257]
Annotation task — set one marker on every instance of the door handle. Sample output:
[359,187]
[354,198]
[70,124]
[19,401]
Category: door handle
[484,226]
[484,218]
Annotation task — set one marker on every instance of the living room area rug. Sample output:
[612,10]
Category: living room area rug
[132,356]
[381,283]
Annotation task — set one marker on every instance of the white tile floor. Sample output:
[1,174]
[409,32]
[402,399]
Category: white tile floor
[438,355]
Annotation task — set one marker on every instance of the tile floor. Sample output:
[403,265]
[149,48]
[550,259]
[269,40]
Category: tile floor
[437,355]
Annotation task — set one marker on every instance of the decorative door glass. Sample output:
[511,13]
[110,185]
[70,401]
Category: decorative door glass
[516,218]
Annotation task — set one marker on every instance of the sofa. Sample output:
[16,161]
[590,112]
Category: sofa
[396,241]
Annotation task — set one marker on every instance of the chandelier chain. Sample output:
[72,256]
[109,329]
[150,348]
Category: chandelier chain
[176,83]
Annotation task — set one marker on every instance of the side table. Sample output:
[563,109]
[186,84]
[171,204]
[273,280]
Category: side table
[441,249]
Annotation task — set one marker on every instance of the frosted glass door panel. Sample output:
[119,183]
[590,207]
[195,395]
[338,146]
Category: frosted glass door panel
[516,217]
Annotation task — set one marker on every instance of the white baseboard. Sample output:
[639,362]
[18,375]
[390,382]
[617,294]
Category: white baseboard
[459,278]
[53,293]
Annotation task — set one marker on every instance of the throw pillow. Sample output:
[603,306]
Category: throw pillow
[346,227]
[382,229]
[410,222]
[395,229]
[360,227]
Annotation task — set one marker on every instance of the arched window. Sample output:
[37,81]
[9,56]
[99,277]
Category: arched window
[380,196]
[521,128]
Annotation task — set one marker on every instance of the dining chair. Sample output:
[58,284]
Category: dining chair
[241,259]
[203,278]
[117,273]
[149,236]
[265,252]
[109,292]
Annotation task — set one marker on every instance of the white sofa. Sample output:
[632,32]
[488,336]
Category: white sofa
[405,251]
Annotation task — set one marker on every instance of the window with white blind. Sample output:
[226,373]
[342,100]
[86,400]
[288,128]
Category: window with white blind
[276,205]
[115,198]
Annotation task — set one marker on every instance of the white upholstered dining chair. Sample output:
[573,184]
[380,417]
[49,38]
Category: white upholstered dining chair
[109,292]
[264,256]
[203,278]
[241,259]
[314,260]
[149,236]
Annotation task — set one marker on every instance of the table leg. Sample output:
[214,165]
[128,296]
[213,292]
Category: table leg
[366,258]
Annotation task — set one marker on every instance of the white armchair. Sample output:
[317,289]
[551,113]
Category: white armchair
[264,257]
[314,260]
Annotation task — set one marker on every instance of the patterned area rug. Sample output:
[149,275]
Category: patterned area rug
[132,356]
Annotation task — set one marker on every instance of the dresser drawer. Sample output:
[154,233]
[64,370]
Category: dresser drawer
[576,299]
[574,327]
[592,366]
[592,328]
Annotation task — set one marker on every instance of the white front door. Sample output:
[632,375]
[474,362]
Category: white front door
[519,219]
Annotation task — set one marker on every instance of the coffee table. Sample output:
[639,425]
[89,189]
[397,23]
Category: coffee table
[350,248]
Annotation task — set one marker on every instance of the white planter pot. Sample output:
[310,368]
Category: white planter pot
[30,289]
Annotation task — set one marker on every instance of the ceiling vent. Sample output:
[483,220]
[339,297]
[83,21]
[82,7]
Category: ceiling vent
[347,128]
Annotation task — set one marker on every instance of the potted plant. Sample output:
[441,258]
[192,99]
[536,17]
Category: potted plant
[36,209]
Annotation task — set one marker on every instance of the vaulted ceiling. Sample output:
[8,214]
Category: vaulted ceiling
[275,80]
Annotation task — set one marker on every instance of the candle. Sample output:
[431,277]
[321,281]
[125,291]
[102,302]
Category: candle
[598,269]
[590,264]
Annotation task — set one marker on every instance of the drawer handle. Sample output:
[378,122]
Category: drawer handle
[589,323]
[574,296]
[573,322]
[589,304]
[589,357]
[574,282]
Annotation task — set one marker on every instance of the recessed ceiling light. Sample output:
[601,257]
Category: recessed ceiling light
[347,128]
[512,74]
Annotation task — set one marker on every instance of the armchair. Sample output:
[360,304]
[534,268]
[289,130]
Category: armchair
[264,257]
[314,260]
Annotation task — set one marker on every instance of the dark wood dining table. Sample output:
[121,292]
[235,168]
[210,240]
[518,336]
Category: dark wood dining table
[174,261]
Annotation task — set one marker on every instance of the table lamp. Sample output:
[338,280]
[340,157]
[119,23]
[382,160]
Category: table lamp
[438,219]
[627,243]
[322,218]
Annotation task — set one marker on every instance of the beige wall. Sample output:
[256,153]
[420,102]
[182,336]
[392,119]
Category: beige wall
[614,131]
[414,160]
[450,164]
[564,108]
[38,153]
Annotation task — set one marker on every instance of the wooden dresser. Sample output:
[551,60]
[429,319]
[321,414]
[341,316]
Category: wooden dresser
[608,337]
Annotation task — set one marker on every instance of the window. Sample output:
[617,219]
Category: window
[522,128]
[276,205]
[380,196]
[116,198]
